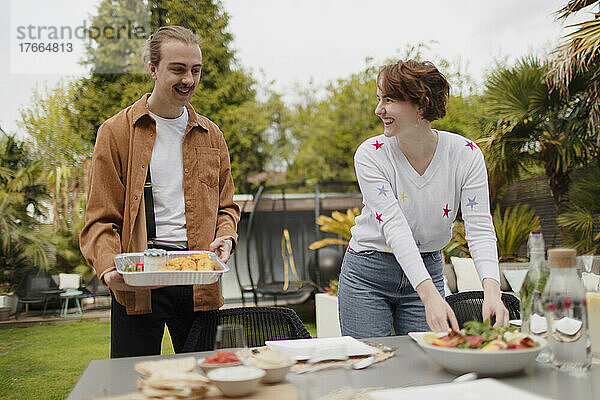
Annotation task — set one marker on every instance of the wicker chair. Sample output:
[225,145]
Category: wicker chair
[467,306]
[260,324]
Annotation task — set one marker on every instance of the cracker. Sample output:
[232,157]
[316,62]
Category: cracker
[128,396]
[186,364]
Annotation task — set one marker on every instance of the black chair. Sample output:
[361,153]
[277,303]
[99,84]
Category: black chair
[241,249]
[277,243]
[467,306]
[94,288]
[325,263]
[260,324]
[36,287]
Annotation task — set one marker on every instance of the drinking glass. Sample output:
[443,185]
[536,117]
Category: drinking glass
[587,261]
[593,312]
[230,336]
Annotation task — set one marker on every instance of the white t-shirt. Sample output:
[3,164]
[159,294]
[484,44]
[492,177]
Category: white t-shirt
[408,214]
[166,172]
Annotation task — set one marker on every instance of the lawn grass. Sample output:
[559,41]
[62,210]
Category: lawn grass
[45,362]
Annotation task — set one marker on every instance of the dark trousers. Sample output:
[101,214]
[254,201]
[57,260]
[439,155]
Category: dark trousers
[141,335]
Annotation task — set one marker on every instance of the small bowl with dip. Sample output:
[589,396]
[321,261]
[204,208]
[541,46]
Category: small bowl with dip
[274,363]
[236,381]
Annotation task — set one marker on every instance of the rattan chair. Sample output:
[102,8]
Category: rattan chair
[467,306]
[260,324]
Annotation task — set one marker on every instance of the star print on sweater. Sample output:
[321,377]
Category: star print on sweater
[472,203]
[446,211]
[382,191]
[470,144]
[377,145]
[378,217]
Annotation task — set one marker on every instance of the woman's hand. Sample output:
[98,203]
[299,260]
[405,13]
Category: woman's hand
[492,302]
[437,311]
[222,246]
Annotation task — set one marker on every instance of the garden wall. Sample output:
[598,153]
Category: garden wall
[536,193]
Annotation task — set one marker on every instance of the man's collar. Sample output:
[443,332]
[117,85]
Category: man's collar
[140,109]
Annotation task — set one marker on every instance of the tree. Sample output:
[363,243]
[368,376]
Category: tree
[581,217]
[579,57]
[21,207]
[51,123]
[529,124]
[226,93]
[326,126]
[325,133]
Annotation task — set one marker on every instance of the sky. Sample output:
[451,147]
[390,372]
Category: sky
[295,42]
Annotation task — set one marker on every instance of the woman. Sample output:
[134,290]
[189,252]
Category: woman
[413,180]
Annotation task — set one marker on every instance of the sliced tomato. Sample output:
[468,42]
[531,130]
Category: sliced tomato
[221,357]
[473,341]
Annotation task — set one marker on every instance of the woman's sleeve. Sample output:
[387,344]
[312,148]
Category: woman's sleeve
[479,228]
[382,205]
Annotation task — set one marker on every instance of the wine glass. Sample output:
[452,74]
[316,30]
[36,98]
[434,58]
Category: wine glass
[230,336]
[587,261]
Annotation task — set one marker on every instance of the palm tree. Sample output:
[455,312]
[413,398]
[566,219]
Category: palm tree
[532,125]
[581,217]
[579,57]
[21,195]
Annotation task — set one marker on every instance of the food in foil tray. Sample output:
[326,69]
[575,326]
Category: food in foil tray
[194,262]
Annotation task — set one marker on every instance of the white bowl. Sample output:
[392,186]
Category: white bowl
[485,363]
[236,381]
[276,374]
[210,366]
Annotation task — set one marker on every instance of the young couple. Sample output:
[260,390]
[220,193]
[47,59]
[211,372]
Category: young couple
[413,181]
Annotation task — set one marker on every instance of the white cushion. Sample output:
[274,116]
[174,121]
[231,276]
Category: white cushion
[466,274]
[515,278]
[69,281]
[447,291]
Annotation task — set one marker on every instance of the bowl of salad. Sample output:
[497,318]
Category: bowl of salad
[481,348]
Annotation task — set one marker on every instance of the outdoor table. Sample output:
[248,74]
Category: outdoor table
[410,366]
[71,294]
[50,295]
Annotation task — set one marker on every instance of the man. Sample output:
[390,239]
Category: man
[192,192]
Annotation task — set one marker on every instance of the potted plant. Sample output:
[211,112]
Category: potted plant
[6,301]
[326,304]
[512,231]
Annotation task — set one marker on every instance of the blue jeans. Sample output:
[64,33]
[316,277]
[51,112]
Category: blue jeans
[375,294]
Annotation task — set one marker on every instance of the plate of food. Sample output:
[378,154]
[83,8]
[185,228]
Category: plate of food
[220,359]
[481,348]
[156,267]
